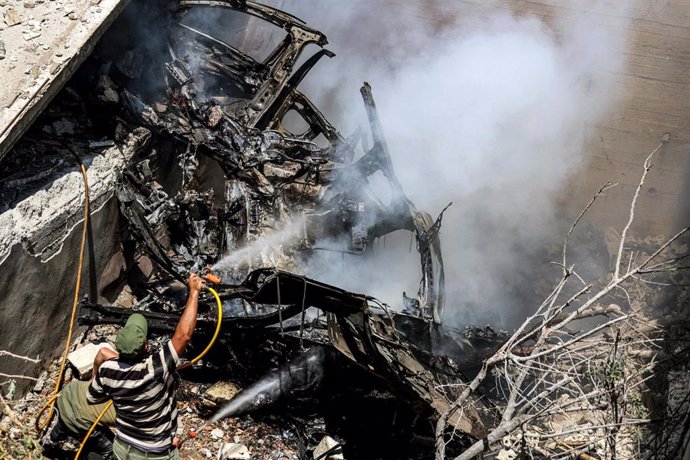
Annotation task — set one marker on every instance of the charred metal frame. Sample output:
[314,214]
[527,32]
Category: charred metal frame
[359,326]
[264,167]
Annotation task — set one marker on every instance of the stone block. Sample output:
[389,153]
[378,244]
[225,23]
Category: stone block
[326,444]
[233,451]
[82,359]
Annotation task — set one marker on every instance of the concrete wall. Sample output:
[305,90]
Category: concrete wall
[39,254]
[37,296]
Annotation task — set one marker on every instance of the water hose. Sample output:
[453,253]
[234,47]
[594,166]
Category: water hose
[181,366]
[215,333]
[93,427]
[51,402]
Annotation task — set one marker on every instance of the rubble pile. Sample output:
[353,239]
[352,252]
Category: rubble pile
[236,438]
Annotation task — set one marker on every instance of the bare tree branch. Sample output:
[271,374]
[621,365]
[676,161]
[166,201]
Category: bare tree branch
[553,366]
[631,215]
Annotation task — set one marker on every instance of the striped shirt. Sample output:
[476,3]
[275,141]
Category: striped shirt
[143,393]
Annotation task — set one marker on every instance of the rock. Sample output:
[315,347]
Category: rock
[233,451]
[221,392]
[106,90]
[63,126]
[326,444]
[506,454]
[73,16]
[40,383]
[217,434]
[3,51]
[29,4]
[30,35]
[12,18]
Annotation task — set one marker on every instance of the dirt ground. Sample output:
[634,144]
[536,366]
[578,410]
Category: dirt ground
[264,439]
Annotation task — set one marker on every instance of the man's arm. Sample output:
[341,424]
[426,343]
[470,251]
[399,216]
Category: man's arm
[185,327]
[96,393]
[104,354]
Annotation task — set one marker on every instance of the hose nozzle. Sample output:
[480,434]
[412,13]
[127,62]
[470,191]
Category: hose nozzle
[211,278]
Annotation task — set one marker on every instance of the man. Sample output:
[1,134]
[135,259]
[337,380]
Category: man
[74,418]
[143,386]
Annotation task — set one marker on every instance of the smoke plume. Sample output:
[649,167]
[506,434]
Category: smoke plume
[481,107]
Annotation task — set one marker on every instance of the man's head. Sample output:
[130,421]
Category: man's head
[131,340]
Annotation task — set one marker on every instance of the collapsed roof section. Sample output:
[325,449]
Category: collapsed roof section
[42,44]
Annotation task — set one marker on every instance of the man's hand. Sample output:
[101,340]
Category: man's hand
[195,283]
[185,327]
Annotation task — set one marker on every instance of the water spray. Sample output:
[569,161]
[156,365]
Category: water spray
[303,372]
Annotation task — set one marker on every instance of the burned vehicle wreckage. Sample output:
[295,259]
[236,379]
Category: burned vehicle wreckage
[223,108]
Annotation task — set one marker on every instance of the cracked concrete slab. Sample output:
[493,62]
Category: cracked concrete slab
[44,42]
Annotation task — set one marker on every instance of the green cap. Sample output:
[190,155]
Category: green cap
[131,339]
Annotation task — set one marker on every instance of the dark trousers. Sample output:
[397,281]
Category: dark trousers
[99,444]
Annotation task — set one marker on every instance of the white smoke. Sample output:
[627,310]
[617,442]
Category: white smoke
[482,108]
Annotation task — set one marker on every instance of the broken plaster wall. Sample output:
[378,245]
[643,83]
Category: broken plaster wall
[39,252]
